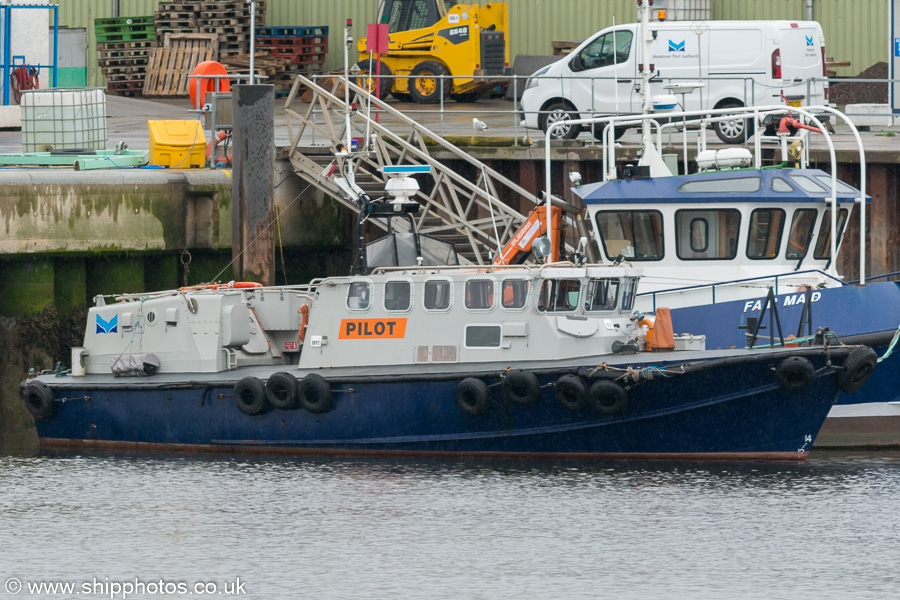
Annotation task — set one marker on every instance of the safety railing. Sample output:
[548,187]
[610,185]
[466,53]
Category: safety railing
[740,282]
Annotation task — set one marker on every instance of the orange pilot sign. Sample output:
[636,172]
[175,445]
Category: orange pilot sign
[370,329]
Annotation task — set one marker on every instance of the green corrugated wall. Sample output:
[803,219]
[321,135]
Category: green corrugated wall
[855,30]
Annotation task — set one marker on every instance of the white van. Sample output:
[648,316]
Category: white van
[740,62]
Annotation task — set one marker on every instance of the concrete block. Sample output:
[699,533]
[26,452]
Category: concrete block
[870,115]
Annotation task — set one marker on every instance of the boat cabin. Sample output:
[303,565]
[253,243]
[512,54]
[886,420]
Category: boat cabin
[739,225]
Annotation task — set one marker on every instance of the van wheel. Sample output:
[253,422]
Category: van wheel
[733,131]
[560,111]
[598,132]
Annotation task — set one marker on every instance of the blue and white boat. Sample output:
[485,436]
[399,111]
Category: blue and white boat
[712,244]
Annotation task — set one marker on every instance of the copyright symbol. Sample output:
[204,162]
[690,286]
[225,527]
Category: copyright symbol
[13,586]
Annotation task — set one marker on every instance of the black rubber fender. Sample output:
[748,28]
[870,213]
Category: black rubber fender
[571,392]
[607,397]
[473,396]
[281,391]
[314,394]
[521,387]
[795,373]
[857,369]
[39,400]
[250,396]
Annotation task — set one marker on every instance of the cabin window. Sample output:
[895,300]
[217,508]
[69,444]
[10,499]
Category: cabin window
[707,234]
[637,234]
[359,296]
[605,51]
[764,239]
[802,225]
[397,295]
[559,295]
[601,294]
[482,336]
[629,294]
[780,185]
[722,186]
[842,187]
[437,295]
[699,235]
[515,293]
[823,241]
[807,185]
[480,294]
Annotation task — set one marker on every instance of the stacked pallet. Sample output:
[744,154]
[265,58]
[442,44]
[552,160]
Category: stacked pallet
[270,67]
[170,67]
[124,45]
[305,47]
[177,17]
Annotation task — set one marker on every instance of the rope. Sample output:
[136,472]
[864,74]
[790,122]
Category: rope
[640,374]
[24,78]
[892,345]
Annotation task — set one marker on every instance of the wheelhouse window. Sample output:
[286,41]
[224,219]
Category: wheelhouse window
[607,50]
[636,234]
[559,295]
[802,225]
[514,293]
[480,294]
[780,185]
[359,295]
[823,241]
[397,295]
[601,294]
[722,186]
[764,239]
[707,234]
[807,184]
[629,293]
[437,295]
[842,188]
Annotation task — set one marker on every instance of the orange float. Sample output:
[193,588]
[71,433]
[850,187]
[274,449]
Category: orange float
[201,82]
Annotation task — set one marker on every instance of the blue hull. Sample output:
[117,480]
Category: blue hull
[868,315]
[710,413]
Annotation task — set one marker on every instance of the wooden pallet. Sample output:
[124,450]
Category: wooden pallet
[170,67]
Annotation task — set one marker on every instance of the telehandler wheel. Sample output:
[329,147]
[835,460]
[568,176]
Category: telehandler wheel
[380,88]
[425,82]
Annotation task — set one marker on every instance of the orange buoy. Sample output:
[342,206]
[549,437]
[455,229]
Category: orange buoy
[199,85]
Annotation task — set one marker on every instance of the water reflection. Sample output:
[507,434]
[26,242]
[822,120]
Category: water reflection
[337,528]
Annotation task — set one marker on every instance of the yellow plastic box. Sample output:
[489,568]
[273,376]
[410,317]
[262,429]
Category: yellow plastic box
[177,144]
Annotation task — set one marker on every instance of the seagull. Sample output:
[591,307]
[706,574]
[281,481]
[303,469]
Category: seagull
[478,125]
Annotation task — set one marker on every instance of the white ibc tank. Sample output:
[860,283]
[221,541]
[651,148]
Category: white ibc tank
[63,119]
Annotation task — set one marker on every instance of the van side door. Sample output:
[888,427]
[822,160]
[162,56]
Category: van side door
[603,74]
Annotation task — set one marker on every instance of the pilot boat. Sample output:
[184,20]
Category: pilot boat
[411,356]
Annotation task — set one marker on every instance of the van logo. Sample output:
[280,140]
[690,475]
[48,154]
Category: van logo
[809,40]
[111,326]
[676,47]
[370,329]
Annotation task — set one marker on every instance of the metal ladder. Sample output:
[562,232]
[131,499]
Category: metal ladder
[466,213]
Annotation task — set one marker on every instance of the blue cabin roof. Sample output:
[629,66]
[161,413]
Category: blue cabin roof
[751,185]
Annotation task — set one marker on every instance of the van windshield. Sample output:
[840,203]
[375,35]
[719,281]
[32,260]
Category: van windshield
[609,49]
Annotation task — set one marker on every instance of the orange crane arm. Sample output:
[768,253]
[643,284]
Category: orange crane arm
[534,227]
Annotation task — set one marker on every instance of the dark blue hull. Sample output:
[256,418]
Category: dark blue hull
[868,315]
[727,409]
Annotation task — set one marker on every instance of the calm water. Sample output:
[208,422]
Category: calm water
[334,528]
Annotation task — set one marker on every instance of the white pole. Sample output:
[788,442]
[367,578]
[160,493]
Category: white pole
[252,40]
[644,13]
[347,41]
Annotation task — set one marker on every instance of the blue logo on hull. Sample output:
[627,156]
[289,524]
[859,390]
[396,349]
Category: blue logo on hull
[809,40]
[111,326]
[676,47]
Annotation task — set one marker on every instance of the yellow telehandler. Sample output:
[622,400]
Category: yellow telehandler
[438,46]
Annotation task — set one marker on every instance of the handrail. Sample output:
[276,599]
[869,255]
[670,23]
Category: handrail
[892,274]
[714,285]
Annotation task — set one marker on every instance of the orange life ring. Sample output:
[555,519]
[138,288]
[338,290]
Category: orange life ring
[304,322]
[198,83]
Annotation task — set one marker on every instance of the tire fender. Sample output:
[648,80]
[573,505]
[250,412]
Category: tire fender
[39,400]
[281,391]
[314,393]
[473,396]
[607,397]
[857,369]
[521,387]
[250,396]
[795,373]
[571,392]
